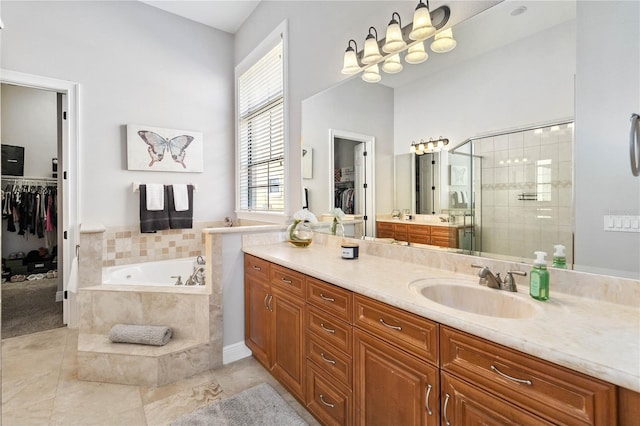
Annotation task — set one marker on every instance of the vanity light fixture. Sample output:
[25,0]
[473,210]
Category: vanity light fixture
[371,50]
[392,64]
[443,42]
[423,147]
[350,63]
[416,54]
[410,38]
[371,74]
[394,42]
[422,26]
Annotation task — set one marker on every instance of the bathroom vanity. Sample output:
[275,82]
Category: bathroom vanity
[443,234]
[356,343]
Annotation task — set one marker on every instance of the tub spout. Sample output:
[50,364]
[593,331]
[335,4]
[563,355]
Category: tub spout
[197,278]
[179,279]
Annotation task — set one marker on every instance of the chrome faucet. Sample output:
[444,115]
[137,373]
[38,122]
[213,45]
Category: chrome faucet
[495,281]
[197,278]
[179,279]
[200,260]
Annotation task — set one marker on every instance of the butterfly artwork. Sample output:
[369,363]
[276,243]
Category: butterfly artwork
[157,149]
[158,145]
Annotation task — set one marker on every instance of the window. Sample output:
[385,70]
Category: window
[261,141]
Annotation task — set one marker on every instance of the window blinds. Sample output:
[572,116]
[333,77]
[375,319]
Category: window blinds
[261,134]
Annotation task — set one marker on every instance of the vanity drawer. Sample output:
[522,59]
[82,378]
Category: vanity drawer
[384,230]
[330,298]
[334,362]
[330,329]
[550,391]
[287,280]
[401,231]
[256,267]
[330,401]
[410,332]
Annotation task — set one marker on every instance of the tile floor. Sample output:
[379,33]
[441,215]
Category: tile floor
[40,387]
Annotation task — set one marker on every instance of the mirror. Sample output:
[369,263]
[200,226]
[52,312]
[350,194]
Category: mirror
[507,72]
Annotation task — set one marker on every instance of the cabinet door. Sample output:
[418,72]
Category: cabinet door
[464,404]
[257,322]
[385,230]
[287,343]
[392,387]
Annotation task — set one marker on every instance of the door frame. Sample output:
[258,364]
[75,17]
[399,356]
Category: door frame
[67,165]
[369,141]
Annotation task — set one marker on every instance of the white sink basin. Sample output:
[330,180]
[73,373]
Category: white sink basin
[469,296]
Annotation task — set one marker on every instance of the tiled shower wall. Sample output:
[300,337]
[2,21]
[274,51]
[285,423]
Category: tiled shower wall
[527,191]
[125,244]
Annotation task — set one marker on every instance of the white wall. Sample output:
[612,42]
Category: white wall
[29,119]
[607,92]
[356,107]
[135,64]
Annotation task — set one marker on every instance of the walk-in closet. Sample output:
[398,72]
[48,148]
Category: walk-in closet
[31,284]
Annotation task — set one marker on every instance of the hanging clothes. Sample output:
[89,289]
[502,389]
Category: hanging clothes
[344,198]
[31,210]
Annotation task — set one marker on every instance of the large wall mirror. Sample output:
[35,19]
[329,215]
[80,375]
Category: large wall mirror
[503,58]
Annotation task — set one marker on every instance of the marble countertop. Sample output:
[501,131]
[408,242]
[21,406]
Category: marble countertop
[599,339]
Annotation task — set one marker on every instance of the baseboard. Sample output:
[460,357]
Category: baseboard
[58,296]
[235,352]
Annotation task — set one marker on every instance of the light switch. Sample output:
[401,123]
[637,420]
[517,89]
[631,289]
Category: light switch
[622,223]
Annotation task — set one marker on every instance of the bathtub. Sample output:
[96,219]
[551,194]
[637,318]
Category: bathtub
[161,273]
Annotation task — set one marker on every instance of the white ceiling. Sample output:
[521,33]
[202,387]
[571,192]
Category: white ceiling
[224,15]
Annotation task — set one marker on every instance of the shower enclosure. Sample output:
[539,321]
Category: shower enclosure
[513,191]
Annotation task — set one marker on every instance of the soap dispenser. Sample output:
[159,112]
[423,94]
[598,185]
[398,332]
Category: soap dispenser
[559,259]
[539,278]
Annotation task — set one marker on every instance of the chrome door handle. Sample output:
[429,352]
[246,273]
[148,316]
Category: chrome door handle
[328,299]
[446,403]
[328,330]
[513,379]
[427,400]
[634,145]
[394,327]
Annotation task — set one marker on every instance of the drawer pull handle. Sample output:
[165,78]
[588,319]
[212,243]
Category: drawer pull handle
[326,403]
[257,268]
[513,379]
[328,299]
[328,330]
[265,301]
[427,400]
[286,281]
[330,361]
[394,327]
[446,402]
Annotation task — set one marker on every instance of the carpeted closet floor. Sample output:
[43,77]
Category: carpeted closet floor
[29,307]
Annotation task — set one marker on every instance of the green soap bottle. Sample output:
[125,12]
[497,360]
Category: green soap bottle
[539,278]
[559,259]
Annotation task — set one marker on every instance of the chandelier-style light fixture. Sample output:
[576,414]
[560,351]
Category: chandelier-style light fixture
[432,146]
[400,39]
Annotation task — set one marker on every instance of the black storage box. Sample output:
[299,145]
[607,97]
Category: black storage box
[12,160]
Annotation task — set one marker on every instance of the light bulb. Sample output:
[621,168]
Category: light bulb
[392,64]
[371,50]
[371,74]
[350,64]
[416,54]
[443,41]
[422,26]
[394,42]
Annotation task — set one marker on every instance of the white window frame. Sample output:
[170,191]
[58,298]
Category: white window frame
[280,32]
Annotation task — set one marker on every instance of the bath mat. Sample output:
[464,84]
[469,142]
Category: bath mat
[29,307]
[259,406]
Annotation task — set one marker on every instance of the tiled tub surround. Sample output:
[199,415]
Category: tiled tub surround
[194,314]
[591,323]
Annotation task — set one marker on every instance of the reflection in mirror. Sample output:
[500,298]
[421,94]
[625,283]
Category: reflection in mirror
[502,75]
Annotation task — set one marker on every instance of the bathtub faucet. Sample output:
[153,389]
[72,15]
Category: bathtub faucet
[200,260]
[179,279]
[197,278]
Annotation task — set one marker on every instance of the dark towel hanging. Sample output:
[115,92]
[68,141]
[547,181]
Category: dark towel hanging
[179,220]
[152,221]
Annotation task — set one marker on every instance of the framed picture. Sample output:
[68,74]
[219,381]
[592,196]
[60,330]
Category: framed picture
[458,175]
[307,162]
[166,150]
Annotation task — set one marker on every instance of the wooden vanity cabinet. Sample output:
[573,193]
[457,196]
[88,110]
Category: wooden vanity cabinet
[274,321]
[329,350]
[545,390]
[384,230]
[442,236]
[396,378]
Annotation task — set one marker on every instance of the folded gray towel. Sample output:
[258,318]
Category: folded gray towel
[156,335]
